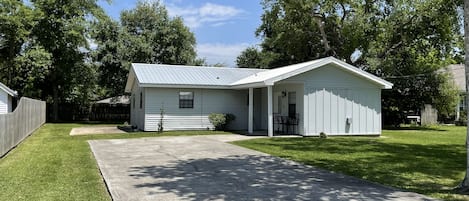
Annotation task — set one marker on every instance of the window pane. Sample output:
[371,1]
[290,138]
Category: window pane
[186,99]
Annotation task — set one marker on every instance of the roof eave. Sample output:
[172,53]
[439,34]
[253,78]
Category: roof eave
[130,81]
[9,91]
[249,85]
[331,60]
[189,86]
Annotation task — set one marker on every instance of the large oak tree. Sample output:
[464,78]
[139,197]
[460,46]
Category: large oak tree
[145,34]
[406,42]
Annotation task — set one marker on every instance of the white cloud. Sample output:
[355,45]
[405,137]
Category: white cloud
[221,53]
[207,14]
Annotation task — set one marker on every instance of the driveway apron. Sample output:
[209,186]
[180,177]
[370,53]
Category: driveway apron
[208,168]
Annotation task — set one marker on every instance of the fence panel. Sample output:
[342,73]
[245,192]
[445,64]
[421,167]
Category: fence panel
[28,116]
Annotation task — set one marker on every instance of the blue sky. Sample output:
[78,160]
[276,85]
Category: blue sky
[223,28]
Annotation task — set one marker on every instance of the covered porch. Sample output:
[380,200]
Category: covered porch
[276,109]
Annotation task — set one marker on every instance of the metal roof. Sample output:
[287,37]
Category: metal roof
[271,76]
[158,75]
[125,100]
[162,74]
[273,73]
[8,90]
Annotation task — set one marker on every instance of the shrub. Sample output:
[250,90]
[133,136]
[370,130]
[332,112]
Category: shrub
[160,123]
[220,121]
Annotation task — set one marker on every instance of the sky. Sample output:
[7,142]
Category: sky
[223,28]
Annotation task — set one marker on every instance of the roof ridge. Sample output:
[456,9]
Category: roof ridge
[208,67]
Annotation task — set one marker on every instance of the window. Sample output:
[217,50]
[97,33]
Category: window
[186,99]
[133,101]
[141,100]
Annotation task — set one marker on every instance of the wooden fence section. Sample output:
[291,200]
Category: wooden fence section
[28,116]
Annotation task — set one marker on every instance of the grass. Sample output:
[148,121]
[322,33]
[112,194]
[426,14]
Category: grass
[51,165]
[430,161]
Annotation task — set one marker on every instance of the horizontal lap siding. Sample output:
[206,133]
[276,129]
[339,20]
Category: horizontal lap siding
[3,102]
[206,101]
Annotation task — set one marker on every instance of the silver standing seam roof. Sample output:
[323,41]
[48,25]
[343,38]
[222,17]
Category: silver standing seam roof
[189,75]
[162,75]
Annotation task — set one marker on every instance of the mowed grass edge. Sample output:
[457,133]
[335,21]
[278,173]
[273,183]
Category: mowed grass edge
[430,161]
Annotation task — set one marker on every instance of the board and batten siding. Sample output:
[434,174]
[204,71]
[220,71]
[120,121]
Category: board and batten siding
[5,102]
[206,101]
[331,95]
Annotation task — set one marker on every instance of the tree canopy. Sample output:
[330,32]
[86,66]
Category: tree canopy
[145,34]
[45,48]
[407,42]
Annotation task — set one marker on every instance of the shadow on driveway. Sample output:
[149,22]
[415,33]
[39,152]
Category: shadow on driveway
[249,177]
[206,168]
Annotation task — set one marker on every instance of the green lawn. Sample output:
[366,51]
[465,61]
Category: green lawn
[51,165]
[429,161]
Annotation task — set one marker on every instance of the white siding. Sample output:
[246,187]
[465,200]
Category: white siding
[4,102]
[206,101]
[331,95]
[136,112]
[10,104]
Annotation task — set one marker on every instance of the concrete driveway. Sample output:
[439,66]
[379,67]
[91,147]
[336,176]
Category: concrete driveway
[207,168]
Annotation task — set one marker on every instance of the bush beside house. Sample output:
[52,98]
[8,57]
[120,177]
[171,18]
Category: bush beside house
[220,121]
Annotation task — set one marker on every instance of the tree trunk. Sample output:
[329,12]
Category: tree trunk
[55,104]
[327,48]
[464,185]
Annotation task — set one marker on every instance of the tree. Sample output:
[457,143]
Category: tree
[464,185]
[406,42]
[297,31]
[23,62]
[109,54]
[146,34]
[62,31]
[249,58]
[417,41]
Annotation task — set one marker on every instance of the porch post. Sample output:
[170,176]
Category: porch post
[270,125]
[251,111]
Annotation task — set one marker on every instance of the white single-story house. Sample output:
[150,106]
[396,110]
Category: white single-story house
[6,99]
[325,95]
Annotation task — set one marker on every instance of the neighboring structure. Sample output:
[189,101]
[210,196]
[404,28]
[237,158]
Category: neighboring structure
[117,100]
[114,109]
[325,95]
[6,99]
[459,77]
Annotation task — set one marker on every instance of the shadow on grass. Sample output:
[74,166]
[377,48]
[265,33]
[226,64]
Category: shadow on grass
[248,177]
[419,168]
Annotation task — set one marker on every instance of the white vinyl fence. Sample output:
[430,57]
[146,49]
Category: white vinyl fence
[16,126]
